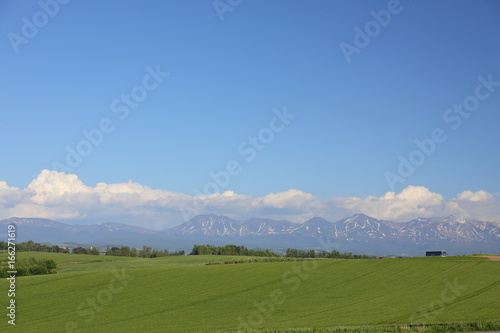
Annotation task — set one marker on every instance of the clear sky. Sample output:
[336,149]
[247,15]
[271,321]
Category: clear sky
[356,101]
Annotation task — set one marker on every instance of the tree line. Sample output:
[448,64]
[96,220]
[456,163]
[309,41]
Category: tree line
[230,250]
[235,250]
[294,253]
[125,251]
[149,252]
[37,247]
[145,252]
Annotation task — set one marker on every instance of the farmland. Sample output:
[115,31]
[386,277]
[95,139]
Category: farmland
[182,294]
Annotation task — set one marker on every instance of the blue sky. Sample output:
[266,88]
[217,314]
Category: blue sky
[353,119]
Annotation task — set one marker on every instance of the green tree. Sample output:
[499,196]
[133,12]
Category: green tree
[145,252]
[125,251]
[80,250]
[94,251]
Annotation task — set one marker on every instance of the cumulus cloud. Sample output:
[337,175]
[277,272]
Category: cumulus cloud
[479,205]
[291,198]
[475,196]
[61,196]
[413,201]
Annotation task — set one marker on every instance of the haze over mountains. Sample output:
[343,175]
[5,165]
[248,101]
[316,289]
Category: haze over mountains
[358,233]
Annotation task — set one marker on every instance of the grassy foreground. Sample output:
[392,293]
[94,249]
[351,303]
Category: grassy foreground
[181,294]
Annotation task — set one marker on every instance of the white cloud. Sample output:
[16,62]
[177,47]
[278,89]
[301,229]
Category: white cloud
[61,196]
[291,198]
[475,196]
[479,205]
[51,187]
[413,201]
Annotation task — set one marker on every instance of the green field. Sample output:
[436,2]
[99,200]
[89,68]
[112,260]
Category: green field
[181,294]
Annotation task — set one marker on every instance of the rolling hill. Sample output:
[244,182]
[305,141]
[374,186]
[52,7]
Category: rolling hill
[180,294]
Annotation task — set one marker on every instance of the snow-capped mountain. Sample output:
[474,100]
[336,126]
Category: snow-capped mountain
[451,228]
[358,233]
[208,225]
[362,227]
[213,225]
[314,227]
[259,227]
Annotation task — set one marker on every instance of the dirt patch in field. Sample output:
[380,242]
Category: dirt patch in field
[492,258]
[73,262]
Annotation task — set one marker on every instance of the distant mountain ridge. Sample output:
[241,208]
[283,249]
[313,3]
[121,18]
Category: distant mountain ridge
[357,233]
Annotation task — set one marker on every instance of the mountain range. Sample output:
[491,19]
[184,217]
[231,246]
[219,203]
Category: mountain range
[358,234]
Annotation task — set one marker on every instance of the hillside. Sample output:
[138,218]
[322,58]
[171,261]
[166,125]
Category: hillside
[182,295]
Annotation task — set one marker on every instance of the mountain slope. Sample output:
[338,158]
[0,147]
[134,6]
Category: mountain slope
[357,233]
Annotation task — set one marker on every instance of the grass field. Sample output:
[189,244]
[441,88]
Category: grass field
[181,294]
